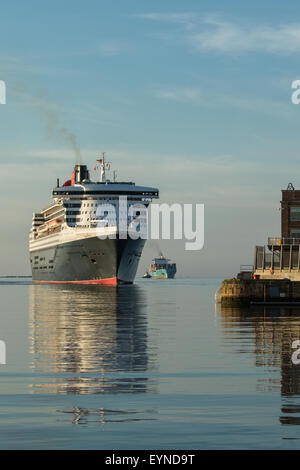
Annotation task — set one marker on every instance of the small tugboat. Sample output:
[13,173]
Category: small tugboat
[146,275]
[160,268]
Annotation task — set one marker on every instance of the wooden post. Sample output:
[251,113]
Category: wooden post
[298,257]
[272,260]
[291,248]
[263,259]
[281,257]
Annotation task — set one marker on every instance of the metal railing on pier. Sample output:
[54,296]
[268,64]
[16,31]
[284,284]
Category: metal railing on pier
[277,241]
[285,258]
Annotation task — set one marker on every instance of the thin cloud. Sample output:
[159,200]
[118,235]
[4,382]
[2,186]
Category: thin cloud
[197,97]
[185,19]
[110,49]
[212,33]
[180,94]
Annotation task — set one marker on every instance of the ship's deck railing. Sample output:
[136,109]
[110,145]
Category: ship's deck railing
[283,241]
[285,258]
[48,232]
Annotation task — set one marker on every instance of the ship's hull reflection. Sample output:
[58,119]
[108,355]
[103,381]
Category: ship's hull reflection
[272,330]
[89,339]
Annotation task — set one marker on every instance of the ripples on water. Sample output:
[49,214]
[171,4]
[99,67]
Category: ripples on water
[154,365]
[84,336]
[268,333]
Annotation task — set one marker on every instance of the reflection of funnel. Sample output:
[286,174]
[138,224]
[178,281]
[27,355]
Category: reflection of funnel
[84,334]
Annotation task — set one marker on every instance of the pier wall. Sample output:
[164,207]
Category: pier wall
[276,274]
[244,292]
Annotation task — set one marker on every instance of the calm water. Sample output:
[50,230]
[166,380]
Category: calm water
[151,366]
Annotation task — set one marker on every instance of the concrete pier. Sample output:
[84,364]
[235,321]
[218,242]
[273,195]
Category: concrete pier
[238,292]
[275,274]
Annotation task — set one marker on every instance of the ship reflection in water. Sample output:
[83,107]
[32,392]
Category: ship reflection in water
[89,339]
[271,330]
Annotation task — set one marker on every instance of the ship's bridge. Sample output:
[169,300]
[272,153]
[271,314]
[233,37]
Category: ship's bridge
[83,190]
[161,261]
[81,187]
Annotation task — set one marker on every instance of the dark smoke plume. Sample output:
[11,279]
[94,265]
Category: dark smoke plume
[54,129]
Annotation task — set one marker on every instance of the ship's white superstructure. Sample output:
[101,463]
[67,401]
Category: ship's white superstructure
[83,223]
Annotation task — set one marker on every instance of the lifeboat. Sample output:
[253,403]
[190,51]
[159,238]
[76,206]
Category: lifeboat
[54,222]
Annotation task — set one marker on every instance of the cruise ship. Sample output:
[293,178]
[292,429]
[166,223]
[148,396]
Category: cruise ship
[68,241]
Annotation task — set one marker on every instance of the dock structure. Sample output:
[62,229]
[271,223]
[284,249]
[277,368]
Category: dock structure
[279,261]
[240,292]
[275,274]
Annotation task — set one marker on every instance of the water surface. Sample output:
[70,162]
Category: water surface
[154,365]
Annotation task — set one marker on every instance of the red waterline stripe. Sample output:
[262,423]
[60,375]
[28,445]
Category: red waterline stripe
[111,282]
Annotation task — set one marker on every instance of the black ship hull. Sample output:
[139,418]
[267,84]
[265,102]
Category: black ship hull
[90,261]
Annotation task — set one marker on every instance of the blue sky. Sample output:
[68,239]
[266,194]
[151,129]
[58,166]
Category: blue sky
[193,97]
